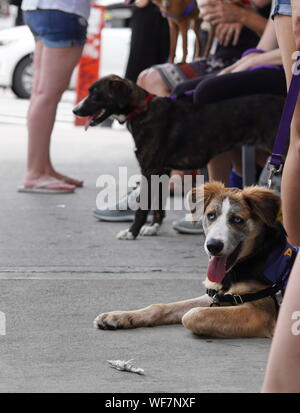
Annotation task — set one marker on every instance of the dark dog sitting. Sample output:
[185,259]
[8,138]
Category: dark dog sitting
[172,134]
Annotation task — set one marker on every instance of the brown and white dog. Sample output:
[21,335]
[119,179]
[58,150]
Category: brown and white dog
[181,15]
[242,233]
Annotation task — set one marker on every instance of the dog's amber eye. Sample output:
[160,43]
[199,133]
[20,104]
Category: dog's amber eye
[211,216]
[237,220]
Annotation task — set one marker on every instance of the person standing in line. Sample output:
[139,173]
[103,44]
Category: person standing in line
[60,29]
[149,43]
[287,28]
[19,17]
[283,368]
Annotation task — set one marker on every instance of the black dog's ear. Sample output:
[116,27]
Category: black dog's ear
[120,90]
[264,203]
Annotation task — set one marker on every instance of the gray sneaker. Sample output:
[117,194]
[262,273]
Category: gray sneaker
[184,226]
[111,215]
[121,212]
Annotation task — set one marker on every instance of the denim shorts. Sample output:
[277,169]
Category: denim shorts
[56,28]
[282,7]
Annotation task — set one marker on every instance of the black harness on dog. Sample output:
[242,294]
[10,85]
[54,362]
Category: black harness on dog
[277,268]
[235,299]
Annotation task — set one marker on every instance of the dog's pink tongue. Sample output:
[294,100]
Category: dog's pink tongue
[88,122]
[216,269]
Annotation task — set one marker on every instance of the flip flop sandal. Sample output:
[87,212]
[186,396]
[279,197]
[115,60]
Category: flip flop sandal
[65,180]
[80,185]
[48,187]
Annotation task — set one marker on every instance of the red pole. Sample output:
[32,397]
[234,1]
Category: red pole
[89,64]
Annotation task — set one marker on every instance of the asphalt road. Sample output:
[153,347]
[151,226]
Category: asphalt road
[59,268]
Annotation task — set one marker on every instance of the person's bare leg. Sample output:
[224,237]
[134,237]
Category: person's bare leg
[236,160]
[151,81]
[283,369]
[55,65]
[261,157]
[36,64]
[290,187]
[219,168]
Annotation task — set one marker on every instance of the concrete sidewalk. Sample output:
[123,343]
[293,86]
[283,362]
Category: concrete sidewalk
[59,268]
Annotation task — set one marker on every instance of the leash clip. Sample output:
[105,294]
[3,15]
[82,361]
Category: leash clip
[279,297]
[273,170]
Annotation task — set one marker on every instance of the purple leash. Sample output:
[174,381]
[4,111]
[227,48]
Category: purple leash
[187,11]
[186,93]
[276,161]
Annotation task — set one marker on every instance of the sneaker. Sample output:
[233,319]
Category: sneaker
[111,215]
[121,212]
[184,226]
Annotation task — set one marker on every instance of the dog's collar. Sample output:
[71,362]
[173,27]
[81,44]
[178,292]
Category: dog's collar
[185,12]
[138,110]
[236,299]
[276,271]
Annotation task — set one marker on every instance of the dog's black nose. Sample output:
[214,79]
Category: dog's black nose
[214,246]
[75,110]
[78,108]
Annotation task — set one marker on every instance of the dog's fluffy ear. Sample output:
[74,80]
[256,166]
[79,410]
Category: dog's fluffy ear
[199,198]
[118,87]
[264,203]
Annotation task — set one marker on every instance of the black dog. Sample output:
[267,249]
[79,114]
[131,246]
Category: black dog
[172,134]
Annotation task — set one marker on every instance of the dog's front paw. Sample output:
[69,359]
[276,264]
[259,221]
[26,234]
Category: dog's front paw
[125,235]
[113,320]
[150,229]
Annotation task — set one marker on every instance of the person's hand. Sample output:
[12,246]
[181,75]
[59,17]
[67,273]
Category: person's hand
[242,64]
[217,12]
[228,33]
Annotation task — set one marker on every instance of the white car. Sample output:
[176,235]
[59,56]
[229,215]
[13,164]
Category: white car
[17,46]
